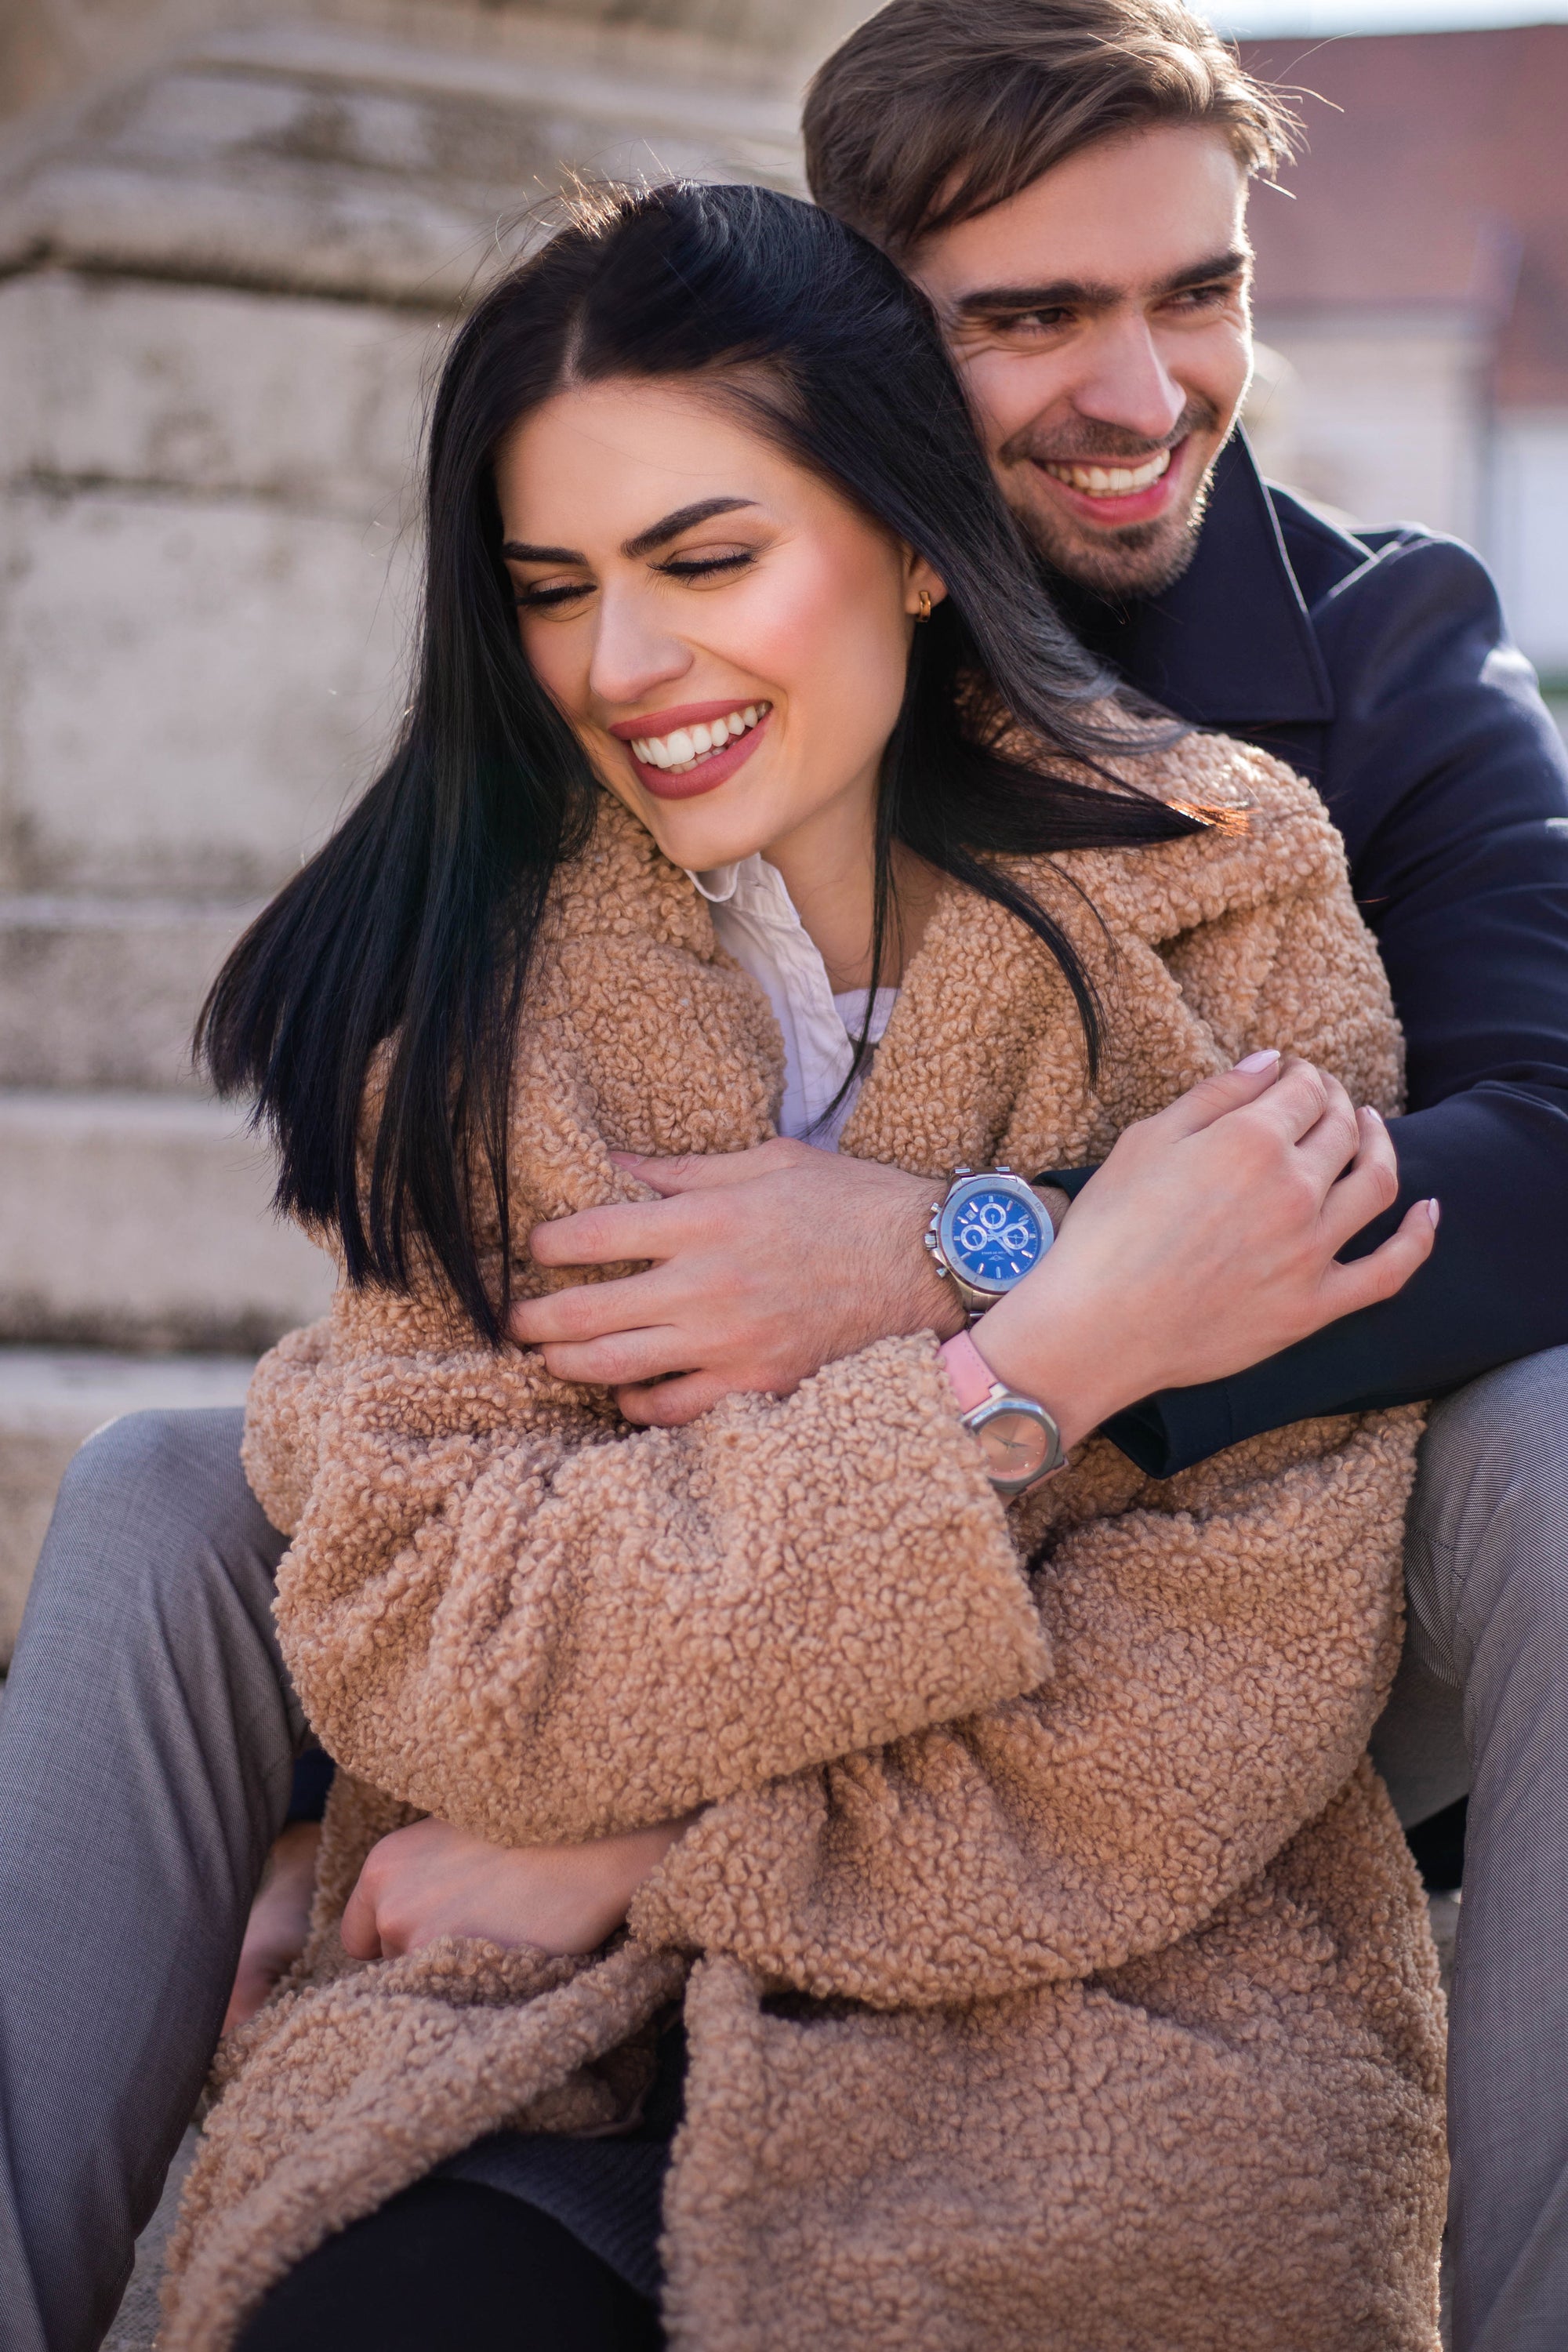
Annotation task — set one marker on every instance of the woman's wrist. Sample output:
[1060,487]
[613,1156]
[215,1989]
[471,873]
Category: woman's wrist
[1040,1342]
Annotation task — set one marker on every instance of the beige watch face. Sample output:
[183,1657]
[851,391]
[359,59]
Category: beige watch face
[1014,1444]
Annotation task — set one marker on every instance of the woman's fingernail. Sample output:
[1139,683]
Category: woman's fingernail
[1373,1112]
[1434,1212]
[627,1159]
[1260,1061]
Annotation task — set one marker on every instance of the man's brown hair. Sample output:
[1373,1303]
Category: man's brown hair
[934,111]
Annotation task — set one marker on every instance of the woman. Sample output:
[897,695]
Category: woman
[1050,1966]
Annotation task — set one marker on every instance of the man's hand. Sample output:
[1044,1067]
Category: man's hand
[767,1265]
[279,1919]
[432,1880]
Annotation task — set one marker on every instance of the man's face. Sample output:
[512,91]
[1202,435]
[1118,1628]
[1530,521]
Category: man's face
[1100,321]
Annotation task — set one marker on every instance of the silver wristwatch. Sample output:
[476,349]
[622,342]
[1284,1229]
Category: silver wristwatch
[987,1232]
[1019,1438]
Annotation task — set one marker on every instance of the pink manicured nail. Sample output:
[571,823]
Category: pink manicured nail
[627,1159]
[1374,1114]
[1434,1212]
[1260,1061]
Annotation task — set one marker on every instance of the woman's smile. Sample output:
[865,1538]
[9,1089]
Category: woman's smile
[696,747]
[686,589]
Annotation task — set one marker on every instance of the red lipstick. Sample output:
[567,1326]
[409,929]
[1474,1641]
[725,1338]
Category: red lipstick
[715,768]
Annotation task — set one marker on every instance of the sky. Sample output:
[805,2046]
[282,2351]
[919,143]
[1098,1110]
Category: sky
[1261,18]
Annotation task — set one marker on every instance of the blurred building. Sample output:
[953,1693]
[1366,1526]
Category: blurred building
[233,236]
[1413,285]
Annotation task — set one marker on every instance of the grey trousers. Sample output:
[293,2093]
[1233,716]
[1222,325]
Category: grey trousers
[147,1736]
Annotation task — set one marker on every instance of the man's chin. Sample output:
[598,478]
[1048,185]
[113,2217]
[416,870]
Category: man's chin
[1138,562]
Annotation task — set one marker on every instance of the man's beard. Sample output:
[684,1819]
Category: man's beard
[1139,560]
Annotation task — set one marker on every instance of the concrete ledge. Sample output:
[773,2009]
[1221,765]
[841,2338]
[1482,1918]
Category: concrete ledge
[111,379]
[105,992]
[143,1221]
[50,1400]
[194,683]
[296,177]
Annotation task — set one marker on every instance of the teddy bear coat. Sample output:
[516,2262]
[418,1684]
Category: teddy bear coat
[1054,1973]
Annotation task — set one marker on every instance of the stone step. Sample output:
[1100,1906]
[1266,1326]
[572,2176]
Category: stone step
[143,1221]
[194,685]
[50,1399]
[104,991]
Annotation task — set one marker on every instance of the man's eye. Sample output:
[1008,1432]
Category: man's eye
[1202,297]
[702,567]
[541,595]
[1031,322]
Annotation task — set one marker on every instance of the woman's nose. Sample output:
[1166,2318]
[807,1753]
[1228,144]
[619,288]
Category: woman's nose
[634,651]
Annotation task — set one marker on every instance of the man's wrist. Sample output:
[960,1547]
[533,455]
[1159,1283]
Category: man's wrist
[940,1307]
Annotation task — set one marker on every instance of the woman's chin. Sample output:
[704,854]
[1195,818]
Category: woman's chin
[702,832]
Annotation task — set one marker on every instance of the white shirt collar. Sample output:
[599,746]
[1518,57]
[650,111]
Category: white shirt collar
[754,921]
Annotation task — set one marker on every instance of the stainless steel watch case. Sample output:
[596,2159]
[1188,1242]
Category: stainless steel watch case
[1006,1400]
[978,1296]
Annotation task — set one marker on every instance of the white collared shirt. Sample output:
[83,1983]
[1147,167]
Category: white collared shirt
[754,921]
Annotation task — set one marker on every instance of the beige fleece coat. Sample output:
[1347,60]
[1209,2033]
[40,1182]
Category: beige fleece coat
[1053,1971]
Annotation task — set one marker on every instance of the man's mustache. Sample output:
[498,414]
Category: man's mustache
[1090,443]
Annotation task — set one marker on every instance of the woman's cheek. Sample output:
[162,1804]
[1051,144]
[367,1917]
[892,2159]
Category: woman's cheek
[835,639]
[554,660]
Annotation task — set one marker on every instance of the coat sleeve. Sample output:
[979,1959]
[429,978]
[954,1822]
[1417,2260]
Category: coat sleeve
[1220,1651]
[542,1626]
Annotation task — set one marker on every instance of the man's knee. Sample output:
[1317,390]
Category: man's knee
[154,1512]
[1499,1438]
[1490,1514]
[163,1450]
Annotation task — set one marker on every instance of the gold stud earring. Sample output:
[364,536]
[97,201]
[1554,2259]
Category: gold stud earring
[925,612]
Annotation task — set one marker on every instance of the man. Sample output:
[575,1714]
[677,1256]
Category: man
[1067,182]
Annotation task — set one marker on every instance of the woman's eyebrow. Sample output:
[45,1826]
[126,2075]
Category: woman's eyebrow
[657,534]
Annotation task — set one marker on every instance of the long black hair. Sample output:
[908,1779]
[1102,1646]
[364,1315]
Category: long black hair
[412,929]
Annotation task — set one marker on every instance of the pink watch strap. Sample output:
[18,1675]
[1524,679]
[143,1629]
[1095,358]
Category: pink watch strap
[972,1377]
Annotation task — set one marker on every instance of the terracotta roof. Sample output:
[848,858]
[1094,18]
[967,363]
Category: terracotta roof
[1441,180]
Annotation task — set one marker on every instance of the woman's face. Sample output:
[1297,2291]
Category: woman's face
[726,633]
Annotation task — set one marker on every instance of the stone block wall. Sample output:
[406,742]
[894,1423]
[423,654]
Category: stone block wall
[227,272]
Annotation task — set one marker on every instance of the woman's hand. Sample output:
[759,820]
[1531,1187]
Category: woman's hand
[432,1880]
[280,1920]
[1206,1243]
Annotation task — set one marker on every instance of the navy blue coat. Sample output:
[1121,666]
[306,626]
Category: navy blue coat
[1378,665]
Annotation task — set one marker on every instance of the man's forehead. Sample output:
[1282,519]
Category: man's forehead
[1127,216]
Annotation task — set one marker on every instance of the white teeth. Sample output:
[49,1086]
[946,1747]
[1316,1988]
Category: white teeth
[1111,481]
[680,750]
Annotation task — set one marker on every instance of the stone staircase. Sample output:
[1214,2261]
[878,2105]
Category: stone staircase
[224,279]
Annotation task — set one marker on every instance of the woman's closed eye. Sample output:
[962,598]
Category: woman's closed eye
[700,564]
[542,595]
[691,566]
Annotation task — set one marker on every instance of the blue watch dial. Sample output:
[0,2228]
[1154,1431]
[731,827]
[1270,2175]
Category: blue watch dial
[992,1236]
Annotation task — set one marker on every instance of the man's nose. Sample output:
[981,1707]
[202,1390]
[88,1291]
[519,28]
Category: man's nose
[634,651]
[1124,381]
